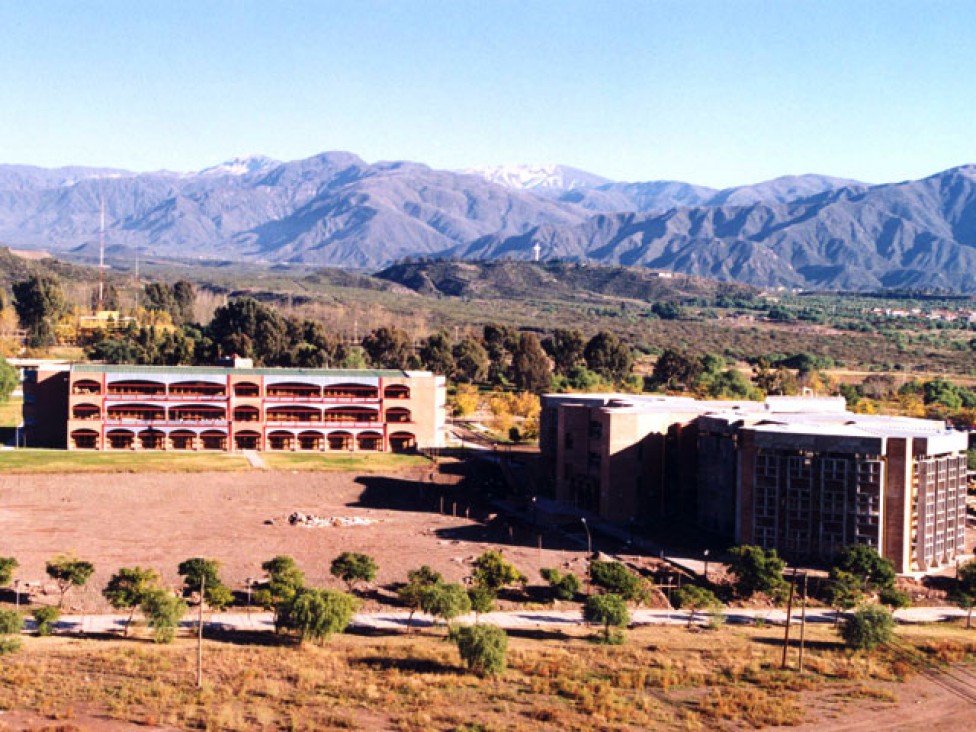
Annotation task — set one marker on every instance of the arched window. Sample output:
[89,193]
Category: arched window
[137,387]
[294,391]
[340,441]
[247,440]
[197,390]
[86,386]
[369,441]
[86,411]
[396,391]
[246,389]
[403,442]
[398,414]
[247,414]
[84,439]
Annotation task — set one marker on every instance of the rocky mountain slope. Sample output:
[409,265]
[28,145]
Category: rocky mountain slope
[335,209]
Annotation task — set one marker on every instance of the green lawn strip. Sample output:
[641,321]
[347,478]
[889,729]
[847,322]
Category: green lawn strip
[65,461]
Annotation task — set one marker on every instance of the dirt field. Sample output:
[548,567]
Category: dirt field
[116,520]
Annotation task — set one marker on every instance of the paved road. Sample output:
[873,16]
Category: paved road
[510,620]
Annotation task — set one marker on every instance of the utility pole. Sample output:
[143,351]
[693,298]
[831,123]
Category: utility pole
[203,587]
[803,620]
[789,616]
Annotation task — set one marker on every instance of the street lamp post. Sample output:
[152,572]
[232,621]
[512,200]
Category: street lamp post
[589,539]
[589,556]
[706,565]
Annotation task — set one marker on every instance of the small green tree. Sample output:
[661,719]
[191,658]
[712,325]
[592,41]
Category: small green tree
[446,601]
[964,594]
[7,567]
[844,591]
[894,598]
[11,623]
[163,611]
[353,568]
[194,571]
[616,579]
[482,648]
[868,628]
[482,601]
[564,586]
[694,598]
[863,561]
[284,580]
[418,581]
[758,570]
[606,610]
[315,614]
[45,617]
[492,571]
[68,571]
[9,380]
[127,588]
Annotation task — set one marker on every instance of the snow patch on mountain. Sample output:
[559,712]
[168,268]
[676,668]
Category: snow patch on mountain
[241,166]
[538,178]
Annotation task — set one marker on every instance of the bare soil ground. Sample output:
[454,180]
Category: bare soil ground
[158,520]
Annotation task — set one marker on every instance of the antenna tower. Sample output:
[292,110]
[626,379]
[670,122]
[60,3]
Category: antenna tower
[101,258]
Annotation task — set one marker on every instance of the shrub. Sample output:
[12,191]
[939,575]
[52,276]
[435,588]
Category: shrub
[315,614]
[128,587]
[493,572]
[757,570]
[446,601]
[44,619]
[615,578]
[482,600]
[607,610]
[695,598]
[418,581]
[11,622]
[353,568]
[194,571]
[9,645]
[7,567]
[482,648]
[564,586]
[163,612]
[868,628]
[895,598]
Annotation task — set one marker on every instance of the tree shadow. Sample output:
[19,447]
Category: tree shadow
[810,645]
[414,665]
[248,637]
[538,634]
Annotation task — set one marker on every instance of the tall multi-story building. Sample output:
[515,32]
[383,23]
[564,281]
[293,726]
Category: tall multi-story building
[101,407]
[803,476]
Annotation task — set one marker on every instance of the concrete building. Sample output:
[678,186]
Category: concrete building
[100,407]
[800,475]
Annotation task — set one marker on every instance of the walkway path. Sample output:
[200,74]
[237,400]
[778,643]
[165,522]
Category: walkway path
[510,620]
[255,460]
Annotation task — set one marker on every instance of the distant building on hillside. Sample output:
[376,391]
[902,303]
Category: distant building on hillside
[98,407]
[800,475]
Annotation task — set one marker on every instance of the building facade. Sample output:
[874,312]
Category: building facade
[799,475]
[102,407]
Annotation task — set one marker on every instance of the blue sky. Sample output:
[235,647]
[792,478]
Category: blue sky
[716,93]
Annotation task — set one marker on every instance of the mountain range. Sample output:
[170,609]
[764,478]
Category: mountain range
[335,209]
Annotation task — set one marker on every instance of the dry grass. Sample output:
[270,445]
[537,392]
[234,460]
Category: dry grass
[11,412]
[663,678]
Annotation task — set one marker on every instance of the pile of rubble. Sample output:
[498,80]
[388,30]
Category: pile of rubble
[307,519]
